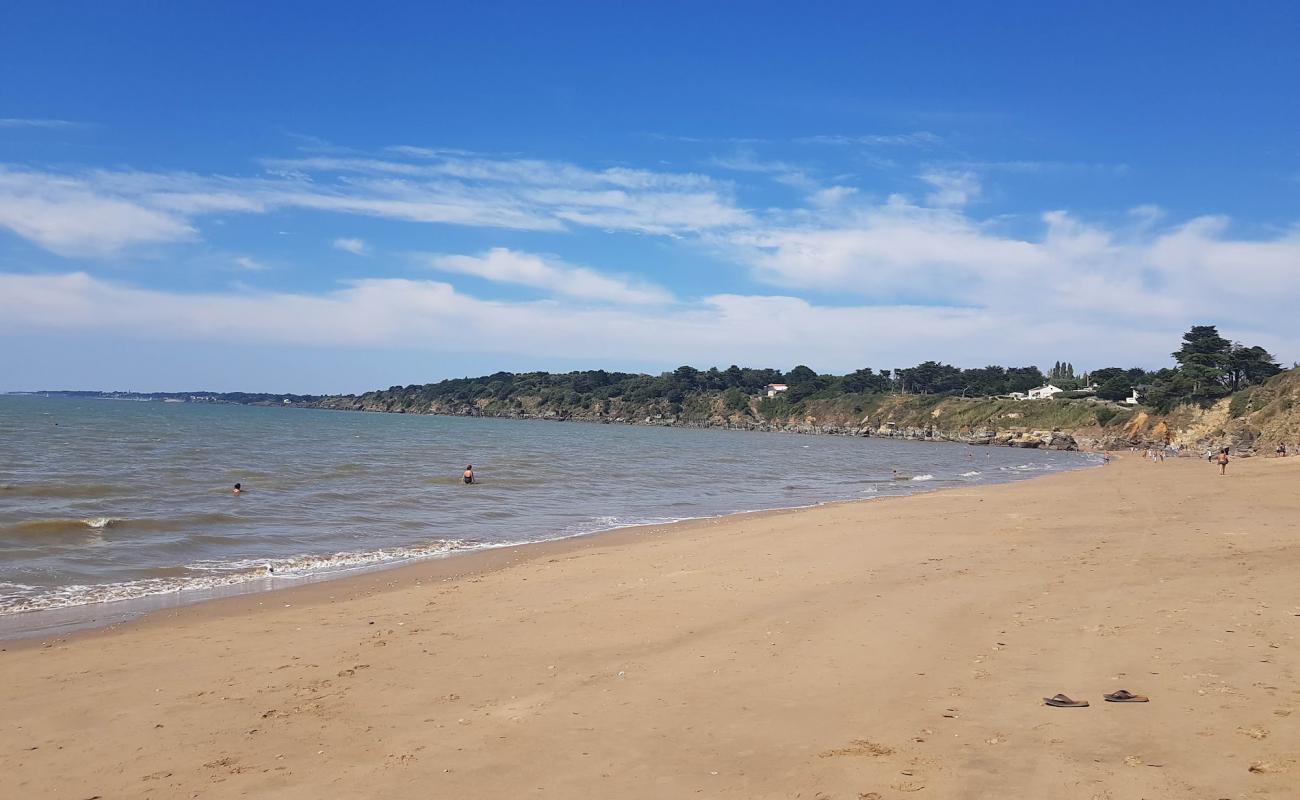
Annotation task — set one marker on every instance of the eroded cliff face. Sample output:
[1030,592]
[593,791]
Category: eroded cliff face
[1255,420]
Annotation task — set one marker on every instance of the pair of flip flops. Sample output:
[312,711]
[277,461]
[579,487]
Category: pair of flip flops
[1122,696]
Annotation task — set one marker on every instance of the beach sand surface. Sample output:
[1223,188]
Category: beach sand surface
[890,649]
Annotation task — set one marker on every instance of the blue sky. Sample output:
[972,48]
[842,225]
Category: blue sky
[249,196]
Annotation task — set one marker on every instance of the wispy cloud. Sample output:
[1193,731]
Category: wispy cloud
[356,247]
[99,212]
[921,139]
[250,264]
[70,217]
[18,122]
[502,265]
[951,188]
[738,140]
[1038,167]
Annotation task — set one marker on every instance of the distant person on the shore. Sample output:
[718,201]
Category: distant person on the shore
[239,489]
[469,473]
[1281,450]
[1223,461]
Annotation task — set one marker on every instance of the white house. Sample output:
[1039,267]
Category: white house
[773,389]
[1044,392]
[1134,398]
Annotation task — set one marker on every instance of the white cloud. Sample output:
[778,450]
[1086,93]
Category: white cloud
[430,315]
[507,266]
[883,250]
[1068,269]
[356,247]
[934,277]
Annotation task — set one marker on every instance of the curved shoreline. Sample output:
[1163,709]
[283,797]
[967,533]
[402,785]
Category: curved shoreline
[843,649]
[27,625]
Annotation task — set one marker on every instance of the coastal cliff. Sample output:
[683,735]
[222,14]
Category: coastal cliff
[1249,421]
[1058,425]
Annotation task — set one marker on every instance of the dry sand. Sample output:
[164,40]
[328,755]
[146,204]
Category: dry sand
[892,649]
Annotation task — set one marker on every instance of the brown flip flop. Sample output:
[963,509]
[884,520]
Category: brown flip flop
[1125,696]
[1061,701]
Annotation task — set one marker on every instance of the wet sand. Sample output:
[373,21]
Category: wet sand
[889,649]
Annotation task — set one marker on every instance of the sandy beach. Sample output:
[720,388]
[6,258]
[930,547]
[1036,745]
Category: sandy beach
[890,649]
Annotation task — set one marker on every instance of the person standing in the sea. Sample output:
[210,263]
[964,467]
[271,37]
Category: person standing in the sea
[469,473]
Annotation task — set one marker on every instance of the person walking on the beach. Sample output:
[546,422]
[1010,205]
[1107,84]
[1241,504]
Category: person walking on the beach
[1223,461]
[469,473]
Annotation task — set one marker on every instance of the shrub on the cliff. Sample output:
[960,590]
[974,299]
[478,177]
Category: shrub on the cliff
[735,400]
[1240,402]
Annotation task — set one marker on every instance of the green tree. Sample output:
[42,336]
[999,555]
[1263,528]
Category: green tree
[1248,366]
[985,381]
[1115,383]
[803,383]
[1022,379]
[1203,362]
[865,381]
[931,377]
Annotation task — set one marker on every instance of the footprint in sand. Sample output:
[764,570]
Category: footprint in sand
[859,747]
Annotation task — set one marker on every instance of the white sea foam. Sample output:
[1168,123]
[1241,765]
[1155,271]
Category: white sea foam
[99,523]
[214,575]
[970,474]
[923,478]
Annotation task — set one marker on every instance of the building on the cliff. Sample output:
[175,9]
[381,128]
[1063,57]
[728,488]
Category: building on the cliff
[1136,397]
[773,389]
[1044,392]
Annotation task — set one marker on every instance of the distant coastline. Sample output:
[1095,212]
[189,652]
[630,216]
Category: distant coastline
[229,398]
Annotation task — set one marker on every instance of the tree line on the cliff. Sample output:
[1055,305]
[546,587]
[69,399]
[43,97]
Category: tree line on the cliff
[1209,367]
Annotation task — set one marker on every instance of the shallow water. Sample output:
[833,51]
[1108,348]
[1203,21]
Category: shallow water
[109,500]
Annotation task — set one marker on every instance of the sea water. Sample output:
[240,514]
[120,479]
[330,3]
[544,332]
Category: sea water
[107,500]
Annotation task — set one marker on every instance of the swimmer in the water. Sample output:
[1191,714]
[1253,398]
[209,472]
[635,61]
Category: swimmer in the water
[237,490]
[469,473]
